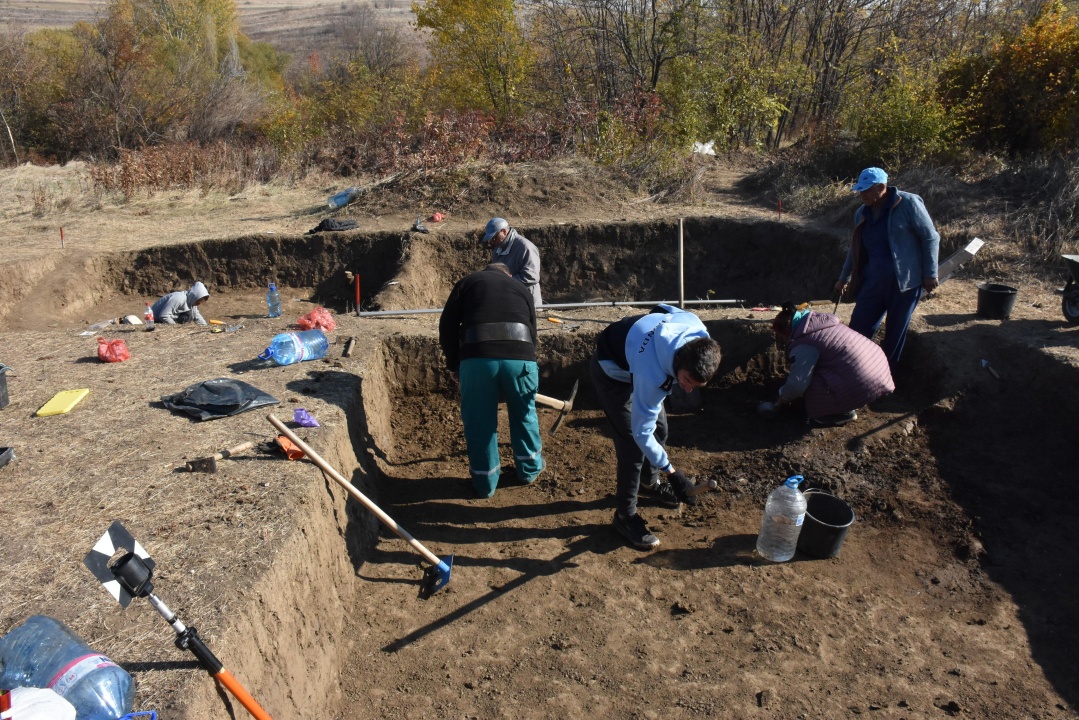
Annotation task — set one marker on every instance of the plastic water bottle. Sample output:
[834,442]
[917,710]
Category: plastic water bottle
[273,299]
[148,315]
[294,347]
[782,522]
[342,198]
[45,653]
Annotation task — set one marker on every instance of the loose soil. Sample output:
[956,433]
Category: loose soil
[953,594]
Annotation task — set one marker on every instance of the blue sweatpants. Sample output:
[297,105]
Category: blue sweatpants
[877,298]
[483,382]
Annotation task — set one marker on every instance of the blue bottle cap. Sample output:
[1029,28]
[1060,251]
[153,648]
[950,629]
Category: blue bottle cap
[794,481]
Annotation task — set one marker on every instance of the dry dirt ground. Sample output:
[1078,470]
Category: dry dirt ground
[953,594]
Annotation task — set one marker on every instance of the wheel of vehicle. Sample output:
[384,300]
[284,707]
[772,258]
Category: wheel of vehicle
[1070,306]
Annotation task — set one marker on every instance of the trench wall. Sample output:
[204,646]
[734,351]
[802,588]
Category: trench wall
[286,645]
[759,262]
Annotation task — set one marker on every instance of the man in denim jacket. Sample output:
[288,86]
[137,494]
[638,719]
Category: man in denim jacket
[892,260]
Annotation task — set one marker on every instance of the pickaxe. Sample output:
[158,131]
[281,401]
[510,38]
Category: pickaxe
[209,464]
[563,406]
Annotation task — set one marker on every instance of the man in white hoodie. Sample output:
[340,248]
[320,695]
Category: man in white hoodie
[181,306]
[637,362]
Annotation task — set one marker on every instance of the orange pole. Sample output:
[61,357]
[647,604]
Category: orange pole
[237,690]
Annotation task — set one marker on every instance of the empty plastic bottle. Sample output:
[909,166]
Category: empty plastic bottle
[273,300]
[342,198]
[148,315]
[45,653]
[294,347]
[782,522]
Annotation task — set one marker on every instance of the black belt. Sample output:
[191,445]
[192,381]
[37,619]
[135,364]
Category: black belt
[488,332]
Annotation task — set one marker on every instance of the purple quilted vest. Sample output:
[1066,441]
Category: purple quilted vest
[852,370]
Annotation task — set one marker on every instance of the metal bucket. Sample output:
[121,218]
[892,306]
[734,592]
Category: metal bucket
[827,520]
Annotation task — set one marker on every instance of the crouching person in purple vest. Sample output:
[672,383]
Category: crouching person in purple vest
[835,369]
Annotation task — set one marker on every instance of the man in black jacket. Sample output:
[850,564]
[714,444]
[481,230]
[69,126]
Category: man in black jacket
[488,335]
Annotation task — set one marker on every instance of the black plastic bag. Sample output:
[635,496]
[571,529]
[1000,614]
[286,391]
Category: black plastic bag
[212,399]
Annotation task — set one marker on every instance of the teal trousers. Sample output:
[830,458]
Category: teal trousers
[484,381]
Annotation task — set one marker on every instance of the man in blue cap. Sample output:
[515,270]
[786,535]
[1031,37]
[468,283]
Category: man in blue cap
[516,252]
[892,260]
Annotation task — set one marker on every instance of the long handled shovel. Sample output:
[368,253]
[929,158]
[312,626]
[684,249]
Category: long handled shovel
[435,577]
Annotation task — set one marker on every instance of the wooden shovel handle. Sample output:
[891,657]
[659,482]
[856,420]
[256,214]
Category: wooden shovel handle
[351,490]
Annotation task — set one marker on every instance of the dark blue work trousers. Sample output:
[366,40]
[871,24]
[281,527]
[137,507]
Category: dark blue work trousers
[878,297]
[615,399]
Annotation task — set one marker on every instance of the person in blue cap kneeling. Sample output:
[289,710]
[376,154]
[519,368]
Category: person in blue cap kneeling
[516,252]
[891,261]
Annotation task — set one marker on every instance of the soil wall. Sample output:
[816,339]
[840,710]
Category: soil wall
[286,645]
[613,262]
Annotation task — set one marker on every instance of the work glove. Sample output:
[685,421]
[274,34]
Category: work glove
[767,409]
[681,486]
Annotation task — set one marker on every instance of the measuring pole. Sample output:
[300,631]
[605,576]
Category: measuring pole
[681,267]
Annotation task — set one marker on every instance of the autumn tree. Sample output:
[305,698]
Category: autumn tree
[480,57]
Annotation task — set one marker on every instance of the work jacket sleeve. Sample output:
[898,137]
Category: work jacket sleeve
[803,360]
[922,226]
[529,273]
[197,316]
[449,330]
[644,412]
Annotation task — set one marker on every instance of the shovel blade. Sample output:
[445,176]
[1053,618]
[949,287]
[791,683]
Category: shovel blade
[436,577]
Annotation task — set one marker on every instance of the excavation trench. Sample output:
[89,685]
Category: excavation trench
[951,589]
[916,472]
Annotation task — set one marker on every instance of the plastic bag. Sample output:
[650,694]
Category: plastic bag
[112,350]
[304,418]
[318,318]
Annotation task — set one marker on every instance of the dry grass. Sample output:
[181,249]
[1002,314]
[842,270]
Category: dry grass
[116,456]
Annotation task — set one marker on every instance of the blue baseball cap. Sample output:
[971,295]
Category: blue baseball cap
[494,226]
[870,177]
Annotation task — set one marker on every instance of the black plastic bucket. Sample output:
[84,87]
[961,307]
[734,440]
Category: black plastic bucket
[4,399]
[996,301]
[826,523]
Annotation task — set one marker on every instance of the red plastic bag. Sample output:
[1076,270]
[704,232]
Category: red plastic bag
[318,318]
[112,350]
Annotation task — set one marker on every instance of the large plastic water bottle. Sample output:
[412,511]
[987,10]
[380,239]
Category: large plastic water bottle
[45,653]
[342,198]
[782,522]
[294,347]
[273,300]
